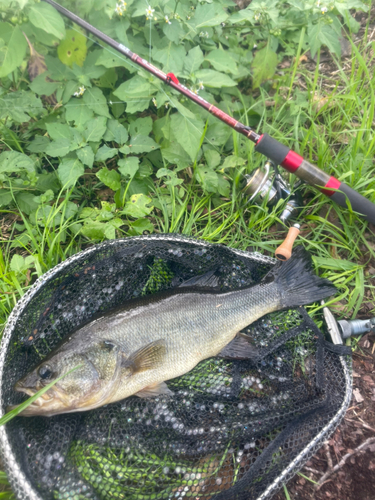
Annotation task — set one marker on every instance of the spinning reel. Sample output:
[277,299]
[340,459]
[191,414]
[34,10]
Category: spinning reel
[262,185]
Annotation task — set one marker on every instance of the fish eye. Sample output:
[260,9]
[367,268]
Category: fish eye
[45,372]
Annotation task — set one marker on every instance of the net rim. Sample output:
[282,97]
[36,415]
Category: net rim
[21,486]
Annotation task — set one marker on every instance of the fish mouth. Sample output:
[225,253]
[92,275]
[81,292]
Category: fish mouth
[47,404]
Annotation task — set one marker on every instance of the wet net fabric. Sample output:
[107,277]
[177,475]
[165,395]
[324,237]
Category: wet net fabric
[234,429]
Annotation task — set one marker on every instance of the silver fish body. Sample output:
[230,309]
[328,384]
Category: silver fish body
[134,349]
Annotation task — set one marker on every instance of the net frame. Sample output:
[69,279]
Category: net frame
[18,478]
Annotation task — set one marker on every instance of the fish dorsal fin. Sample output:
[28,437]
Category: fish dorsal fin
[146,358]
[154,390]
[209,279]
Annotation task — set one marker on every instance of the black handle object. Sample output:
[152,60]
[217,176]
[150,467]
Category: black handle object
[306,171]
[272,149]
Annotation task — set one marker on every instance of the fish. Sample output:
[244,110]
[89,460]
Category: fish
[135,348]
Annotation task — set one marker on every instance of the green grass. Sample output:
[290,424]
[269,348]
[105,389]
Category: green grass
[338,135]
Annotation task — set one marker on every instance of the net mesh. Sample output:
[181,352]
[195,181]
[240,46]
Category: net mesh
[232,429]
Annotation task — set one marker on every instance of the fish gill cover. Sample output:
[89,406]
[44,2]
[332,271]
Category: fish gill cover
[234,429]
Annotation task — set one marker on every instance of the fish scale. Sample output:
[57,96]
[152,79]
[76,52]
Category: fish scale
[135,348]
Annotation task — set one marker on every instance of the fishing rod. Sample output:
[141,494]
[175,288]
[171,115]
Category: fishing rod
[277,152]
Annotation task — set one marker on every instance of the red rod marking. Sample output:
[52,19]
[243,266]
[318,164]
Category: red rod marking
[332,183]
[292,161]
[173,78]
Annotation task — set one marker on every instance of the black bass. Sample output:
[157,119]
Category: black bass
[135,348]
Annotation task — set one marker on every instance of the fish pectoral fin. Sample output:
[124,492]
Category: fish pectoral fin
[146,358]
[154,390]
[239,348]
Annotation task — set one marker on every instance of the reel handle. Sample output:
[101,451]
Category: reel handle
[284,251]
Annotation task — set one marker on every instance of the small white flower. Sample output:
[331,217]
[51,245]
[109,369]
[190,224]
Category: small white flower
[318,3]
[323,10]
[257,17]
[120,7]
[80,91]
[167,20]
[201,86]
[149,11]
[154,101]
[201,34]
[166,105]
[188,18]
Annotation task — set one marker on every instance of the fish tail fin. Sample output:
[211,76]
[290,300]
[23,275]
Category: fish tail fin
[297,282]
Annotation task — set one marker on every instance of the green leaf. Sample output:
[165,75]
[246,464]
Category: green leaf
[69,171]
[26,202]
[142,144]
[136,92]
[188,133]
[129,166]
[57,70]
[114,60]
[5,197]
[104,153]
[77,112]
[138,206]
[209,15]
[222,61]
[212,78]
[218,133]
[86,155]
[57,148]
[223,186]
[11,161]
[94,99]
[171,57]
[16,104]
[212,157]
[73,49]
[176,155]
[45,17]
[94,230]
[39,144]
[108,79]
[19,264]
[335,264]
[141,126]
[139,226]
[232,161]
[110,178]
[116,132]
[174,31]
[207,178]
[193,60]
[14,50]
[90,69]
[58,131]
[263,65]
[41,86]
[323,34]
[95,129]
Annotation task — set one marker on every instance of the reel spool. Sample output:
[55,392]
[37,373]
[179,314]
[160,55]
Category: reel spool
[260,186]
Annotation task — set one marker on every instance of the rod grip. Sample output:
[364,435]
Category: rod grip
[358,202]
[284,251]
